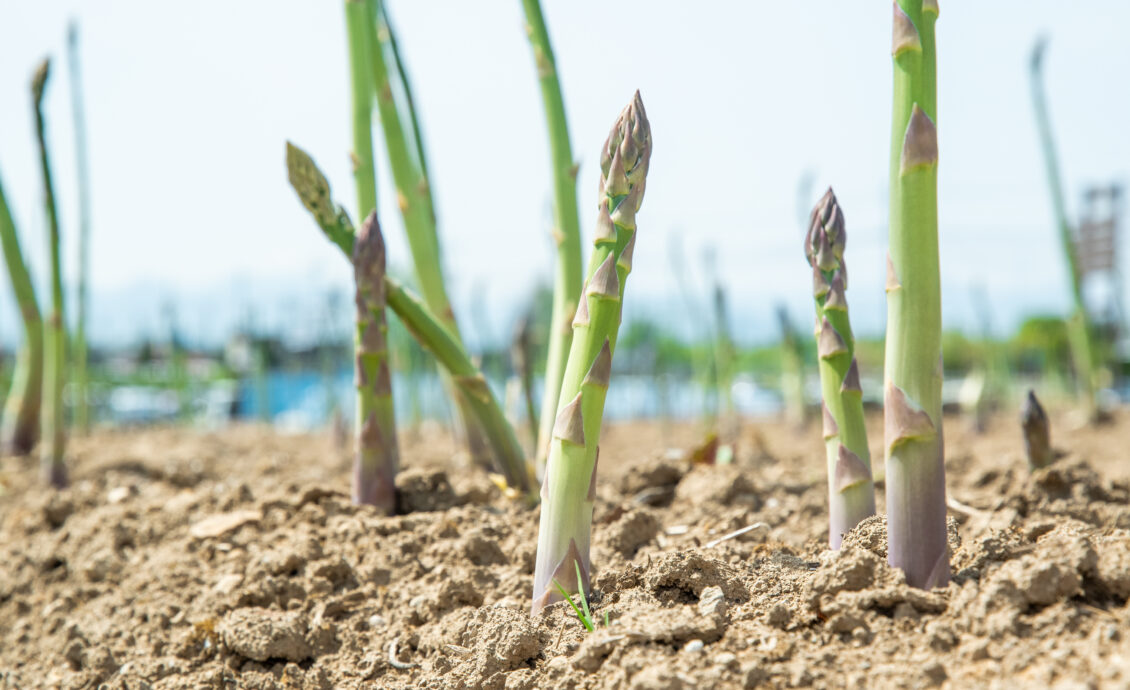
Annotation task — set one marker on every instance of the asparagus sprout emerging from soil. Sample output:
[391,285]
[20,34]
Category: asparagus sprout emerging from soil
[54,372]
[1037,441]
[851,491]
[377,454]
[429,331]
[82,406]
[566,228]
[569,487]
[915,478]
[20,427]
[1078,325]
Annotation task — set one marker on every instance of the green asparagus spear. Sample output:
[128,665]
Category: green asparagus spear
[569,486]
[566,231]
[1079,329]
[1037,442]
[357,21]
[377,455]
[82,407]
[851,491]
[915,472]
[54,373]
[20,428]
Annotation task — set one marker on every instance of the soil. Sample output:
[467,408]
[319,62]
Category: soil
[182,559]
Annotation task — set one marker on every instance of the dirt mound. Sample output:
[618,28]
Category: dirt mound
[235,559]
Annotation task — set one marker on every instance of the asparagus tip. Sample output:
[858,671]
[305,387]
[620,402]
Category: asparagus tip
[39,79]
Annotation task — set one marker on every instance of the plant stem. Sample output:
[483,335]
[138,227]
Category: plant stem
[54,374]
[569,487]
[792,371]
[378,456]
[566,230]
[1078,324]
[430,332]
[520,355]
[357,22]
[20,428]
[82,410]
[915,470]
[414,197]
[851,491]
[1037,442]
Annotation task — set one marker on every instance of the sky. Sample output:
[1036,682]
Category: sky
[189,106]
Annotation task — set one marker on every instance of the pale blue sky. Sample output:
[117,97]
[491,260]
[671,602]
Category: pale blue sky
[189,105]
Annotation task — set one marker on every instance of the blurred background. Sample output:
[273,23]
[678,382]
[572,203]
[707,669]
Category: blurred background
[212,295]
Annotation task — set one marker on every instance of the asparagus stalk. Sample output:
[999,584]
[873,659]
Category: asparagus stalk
[1078,324]
[851,491]
[377,458]
[54,374]
[20,427]
[520,355]
[414,197]
[915,471]
[82,409]
[569,487]
[357,21]
[792,371]
[1034,422]
[428,329]
[566,231]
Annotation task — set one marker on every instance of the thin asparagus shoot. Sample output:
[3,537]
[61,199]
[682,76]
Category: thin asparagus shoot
[521,355]
[851,491]
[417,208]
[1037,442]
[1079,327]
[377,454]
[20,427]
[566,225]
[915,471]
[54,373]
[82,407]
[357,21]
[792,371]
[569,486]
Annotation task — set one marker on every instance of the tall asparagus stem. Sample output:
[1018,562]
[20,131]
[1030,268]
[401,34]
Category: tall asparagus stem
[377,455]
[566,230]
[54,373]
[851,491]
[20,427]
[414,196]
[82,407]
[520,356]
[1078,324]
[569,487]
[357,20]
[1037,442]
[915,479]
[428,329]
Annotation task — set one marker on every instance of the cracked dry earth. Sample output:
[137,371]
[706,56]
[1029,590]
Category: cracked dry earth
[234,559]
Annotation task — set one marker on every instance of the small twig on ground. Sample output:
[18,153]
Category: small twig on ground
[736,533]
[397,664]
[959,507]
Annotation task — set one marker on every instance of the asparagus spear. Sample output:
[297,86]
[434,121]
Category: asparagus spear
[520,356]
[915,472]
[414,196]
[377,458]
[851,491]
[82,409]
[569,486]
[1034,422]
[567,229]
[427,328]
[20,428]
[792,371]
[1079,328]
[54,374]
[357,21]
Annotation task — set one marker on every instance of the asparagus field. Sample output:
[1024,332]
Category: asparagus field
[415,431]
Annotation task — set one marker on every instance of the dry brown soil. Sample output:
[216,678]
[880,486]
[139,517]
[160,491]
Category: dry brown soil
[234,559]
